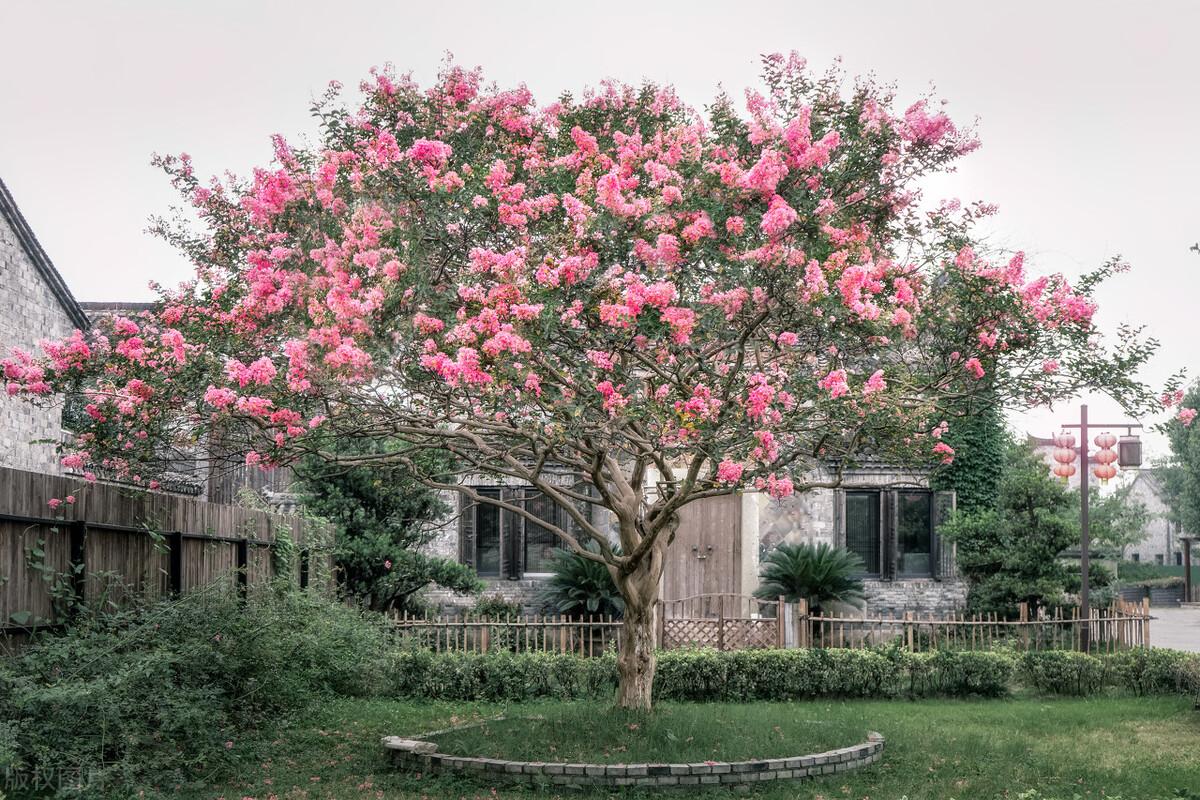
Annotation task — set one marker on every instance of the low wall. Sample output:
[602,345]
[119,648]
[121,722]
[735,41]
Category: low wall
[419,755]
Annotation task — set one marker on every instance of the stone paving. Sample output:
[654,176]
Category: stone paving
[1176,628]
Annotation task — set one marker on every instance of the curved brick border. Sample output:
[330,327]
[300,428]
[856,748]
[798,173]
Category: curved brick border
[419,755]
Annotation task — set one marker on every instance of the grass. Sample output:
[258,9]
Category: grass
[1136,748]
[679,733]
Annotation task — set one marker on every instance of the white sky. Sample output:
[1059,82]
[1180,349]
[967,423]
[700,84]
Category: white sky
[1087,111]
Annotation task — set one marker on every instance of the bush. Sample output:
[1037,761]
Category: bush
[154,694]
[1063,672]
[783,675]
[704,675]
[816,573]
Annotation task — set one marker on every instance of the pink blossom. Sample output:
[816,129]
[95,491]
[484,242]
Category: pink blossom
[835,383]
[1185,416]
[779,217]
[54,502]
[973,366]
[729,471]
[875,383]
[945,451]
[1049,365]
[70,499]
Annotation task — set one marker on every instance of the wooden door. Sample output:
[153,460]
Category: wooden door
[706,556]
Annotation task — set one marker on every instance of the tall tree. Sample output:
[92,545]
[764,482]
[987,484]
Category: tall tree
[608,298]
[385,517]
[1181,475]
[1010,554]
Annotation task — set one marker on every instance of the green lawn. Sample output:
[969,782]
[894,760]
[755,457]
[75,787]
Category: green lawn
[1133,747]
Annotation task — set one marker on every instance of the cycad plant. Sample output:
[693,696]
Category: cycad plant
[579,586]
[817,573]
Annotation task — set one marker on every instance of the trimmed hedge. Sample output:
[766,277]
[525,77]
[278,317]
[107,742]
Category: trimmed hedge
[780,675]
[1141,672]
[705,675]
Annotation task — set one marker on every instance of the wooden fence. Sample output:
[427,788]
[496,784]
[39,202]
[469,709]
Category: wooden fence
[114,542]
[1120,627]
[592,635]
[737,622]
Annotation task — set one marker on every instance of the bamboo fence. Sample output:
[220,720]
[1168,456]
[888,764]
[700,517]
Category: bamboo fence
[737,622]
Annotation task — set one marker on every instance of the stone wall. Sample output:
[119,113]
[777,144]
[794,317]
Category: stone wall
[919,595]
[30,311]
[421,756]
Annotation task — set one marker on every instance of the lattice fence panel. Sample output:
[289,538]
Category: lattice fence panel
[691,633]
[742,634]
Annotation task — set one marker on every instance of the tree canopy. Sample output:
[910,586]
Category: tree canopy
[611,297]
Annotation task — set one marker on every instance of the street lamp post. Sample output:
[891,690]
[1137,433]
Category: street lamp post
[1187,568]
[1130,456]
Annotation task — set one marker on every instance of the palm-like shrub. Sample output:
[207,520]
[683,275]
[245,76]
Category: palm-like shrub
[817,573]
[579,586]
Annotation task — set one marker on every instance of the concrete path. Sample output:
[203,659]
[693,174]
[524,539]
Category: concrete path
[1177,628]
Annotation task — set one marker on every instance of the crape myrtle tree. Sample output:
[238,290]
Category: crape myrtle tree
[662,306]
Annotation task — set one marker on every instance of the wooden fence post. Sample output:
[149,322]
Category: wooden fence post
[660,608]
[780,623]
[721,626]
[1024,609]
[304,557]
[243,560]
[804,625]
[1145,622]
[78,560]
[175,562]
[908,630]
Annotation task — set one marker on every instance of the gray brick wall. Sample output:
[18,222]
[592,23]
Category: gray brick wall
[29,311]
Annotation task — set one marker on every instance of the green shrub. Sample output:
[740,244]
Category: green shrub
[579,587]
[1063,672]
[704,675]
[153,694]
[782,675]
[817,573]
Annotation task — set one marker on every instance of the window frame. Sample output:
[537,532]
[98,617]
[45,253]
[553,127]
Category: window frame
[512,540]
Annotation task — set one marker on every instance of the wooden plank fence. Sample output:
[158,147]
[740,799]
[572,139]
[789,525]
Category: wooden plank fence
[114,542]
[737,622]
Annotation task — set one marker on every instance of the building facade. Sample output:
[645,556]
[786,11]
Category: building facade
[1160,542]
[889,518]
[36,305]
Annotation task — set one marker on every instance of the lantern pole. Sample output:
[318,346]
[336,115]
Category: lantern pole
[1085,539]
[1085,543]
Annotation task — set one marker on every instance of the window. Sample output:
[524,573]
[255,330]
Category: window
[487,536]
[1179,559]
[1158,558]
[894,532]
[862,528]
[541,544]
[1137,557]
[500,543]
[914,534]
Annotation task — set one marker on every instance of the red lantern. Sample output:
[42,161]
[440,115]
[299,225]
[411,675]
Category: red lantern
[1105,441]
[1064,439]
[1064,455]
[1106,456]
[1104,472]
[1064,471]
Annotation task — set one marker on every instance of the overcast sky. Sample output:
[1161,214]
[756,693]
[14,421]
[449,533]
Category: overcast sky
[1088,112]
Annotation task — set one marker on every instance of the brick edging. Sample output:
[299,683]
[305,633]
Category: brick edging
[419,755]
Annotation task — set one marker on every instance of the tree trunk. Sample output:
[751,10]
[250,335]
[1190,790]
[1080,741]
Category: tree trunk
[636,659]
